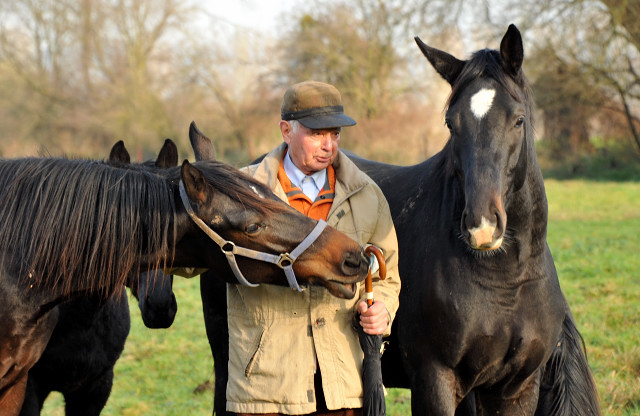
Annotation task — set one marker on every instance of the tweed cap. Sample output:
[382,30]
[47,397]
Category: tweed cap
[316,105]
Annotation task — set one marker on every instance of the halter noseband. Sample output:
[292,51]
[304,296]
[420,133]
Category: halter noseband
[284,261]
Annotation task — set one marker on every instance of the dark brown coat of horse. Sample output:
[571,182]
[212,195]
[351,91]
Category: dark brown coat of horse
[91,331]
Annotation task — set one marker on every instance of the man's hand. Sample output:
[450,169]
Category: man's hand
[374,319]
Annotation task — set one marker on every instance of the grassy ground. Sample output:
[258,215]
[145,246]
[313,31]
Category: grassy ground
[594,234]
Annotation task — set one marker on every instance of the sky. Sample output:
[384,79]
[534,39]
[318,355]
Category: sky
[260,15]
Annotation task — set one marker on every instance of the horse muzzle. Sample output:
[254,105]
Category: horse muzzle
[484,234]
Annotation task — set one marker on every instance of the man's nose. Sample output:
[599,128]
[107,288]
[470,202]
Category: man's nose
[327,142]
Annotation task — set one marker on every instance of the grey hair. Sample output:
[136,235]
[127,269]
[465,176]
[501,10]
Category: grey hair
[295,125]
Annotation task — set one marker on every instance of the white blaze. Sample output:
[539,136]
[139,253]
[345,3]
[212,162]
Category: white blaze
[481,102]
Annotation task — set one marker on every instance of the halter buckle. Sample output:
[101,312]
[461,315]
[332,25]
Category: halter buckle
[228,247]
[285,260]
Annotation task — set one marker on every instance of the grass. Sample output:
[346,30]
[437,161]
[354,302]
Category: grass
[161,371]
[594,235]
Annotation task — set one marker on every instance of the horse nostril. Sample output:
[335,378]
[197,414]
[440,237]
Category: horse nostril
[352,262]
[500,222]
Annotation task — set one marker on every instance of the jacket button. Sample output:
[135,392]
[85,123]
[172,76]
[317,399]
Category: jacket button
[320,322]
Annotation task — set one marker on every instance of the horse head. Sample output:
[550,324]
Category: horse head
[153,289]
[246,212]
[489,119]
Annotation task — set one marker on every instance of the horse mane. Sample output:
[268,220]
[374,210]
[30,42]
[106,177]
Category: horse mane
[488,63]
[238,186]
[77,225]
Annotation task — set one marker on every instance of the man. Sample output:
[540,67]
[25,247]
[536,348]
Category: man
[295,353]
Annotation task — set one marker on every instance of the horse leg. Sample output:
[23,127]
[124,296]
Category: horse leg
[34,398]
[12,398]
[467,406]
[214,306]
[90,399]
[20,348]
[523,403]
[432,390]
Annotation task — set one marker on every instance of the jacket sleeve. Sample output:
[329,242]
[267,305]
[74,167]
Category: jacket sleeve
[384,237]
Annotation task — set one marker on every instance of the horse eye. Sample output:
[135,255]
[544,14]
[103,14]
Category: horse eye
[448,124]
[519,122]
[253,228]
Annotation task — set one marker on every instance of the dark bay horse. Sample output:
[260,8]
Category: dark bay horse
[80,227]
[483,326]
[91,331]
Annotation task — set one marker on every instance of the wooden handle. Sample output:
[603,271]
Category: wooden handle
[382,268]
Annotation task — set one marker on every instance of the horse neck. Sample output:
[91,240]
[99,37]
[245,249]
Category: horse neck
[527,210]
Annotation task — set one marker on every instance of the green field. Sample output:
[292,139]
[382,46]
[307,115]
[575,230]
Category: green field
[594,234]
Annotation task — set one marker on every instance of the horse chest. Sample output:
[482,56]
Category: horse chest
[488,323]
[500,352]
[493,334]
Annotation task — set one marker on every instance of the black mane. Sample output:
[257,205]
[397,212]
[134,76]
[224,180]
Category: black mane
[77,225]
[238,186]
[80,225]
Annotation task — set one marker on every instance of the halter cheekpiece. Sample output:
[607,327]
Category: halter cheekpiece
[284,261]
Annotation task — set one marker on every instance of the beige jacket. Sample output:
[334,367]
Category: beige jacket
[278,336]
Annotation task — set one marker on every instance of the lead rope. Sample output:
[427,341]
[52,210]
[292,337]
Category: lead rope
[284,261]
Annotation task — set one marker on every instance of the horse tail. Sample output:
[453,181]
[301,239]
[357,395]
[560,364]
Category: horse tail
[567,386]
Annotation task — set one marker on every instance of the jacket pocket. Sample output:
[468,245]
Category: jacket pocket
[255,351]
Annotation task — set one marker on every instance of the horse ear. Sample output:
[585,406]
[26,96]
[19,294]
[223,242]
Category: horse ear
[119,153]
[448,66]
[194,183]
[202,146]
[512,51]
[168,156]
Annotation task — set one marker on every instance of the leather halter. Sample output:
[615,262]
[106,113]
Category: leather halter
[284,261]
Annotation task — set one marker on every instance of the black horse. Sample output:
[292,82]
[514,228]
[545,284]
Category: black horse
[81,227]
[153,289]
[91,331]
[482,319]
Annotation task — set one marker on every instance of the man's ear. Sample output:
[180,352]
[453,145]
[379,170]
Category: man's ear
[286,130]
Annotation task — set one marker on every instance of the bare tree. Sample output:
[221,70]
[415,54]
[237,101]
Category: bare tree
[94,69]
[601,53]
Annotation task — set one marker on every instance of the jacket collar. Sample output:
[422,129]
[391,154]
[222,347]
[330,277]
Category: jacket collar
[349,178]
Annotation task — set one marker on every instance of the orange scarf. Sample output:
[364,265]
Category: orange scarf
[318,209]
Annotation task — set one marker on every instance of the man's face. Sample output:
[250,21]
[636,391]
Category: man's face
[311,150]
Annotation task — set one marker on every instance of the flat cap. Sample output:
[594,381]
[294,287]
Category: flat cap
[316,105]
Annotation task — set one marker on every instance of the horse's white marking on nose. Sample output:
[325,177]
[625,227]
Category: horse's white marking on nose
[481,102]
[482,236]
